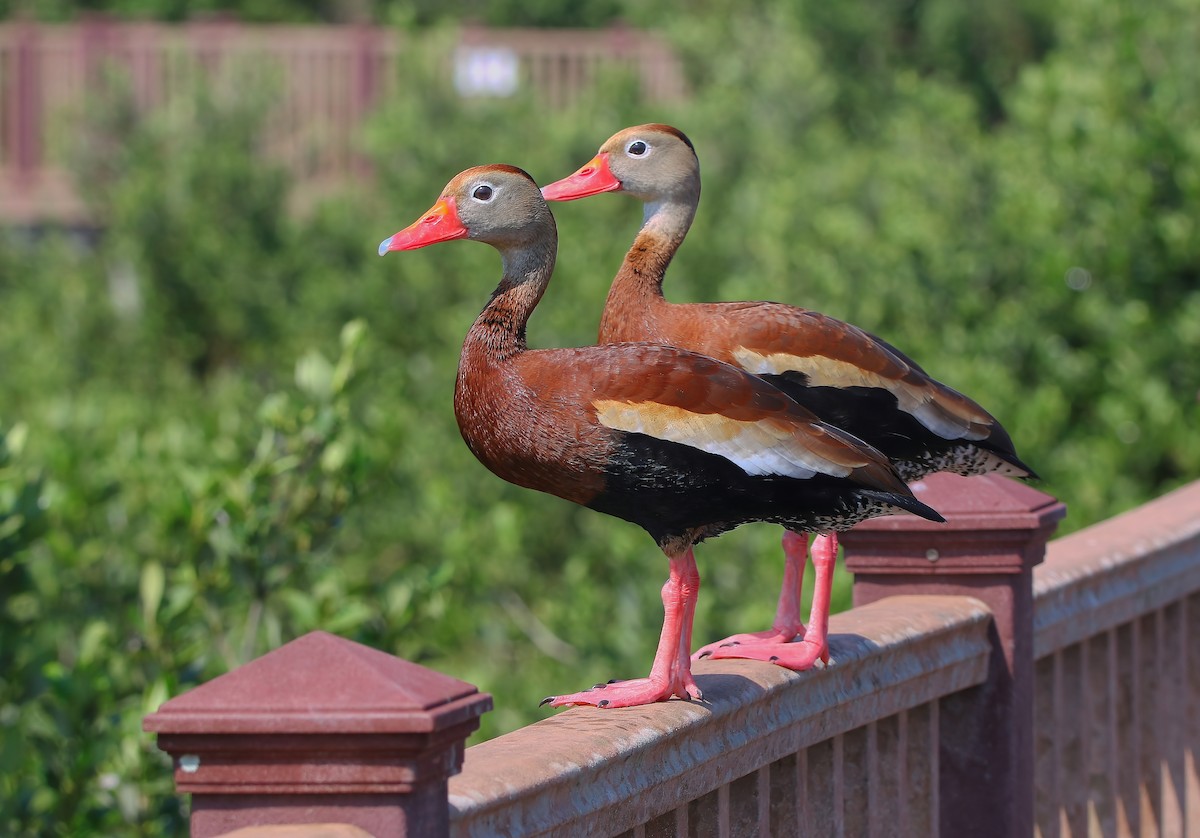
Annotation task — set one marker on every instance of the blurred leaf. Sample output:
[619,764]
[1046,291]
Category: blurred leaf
[91,642]
[150,589]
[314,375]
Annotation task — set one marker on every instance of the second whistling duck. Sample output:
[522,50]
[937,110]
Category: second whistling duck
[849,378]
[683,445]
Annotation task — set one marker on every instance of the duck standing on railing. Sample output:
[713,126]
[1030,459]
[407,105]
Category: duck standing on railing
[685,446]
[849,378]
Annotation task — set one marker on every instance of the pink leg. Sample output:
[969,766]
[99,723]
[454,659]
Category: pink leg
[815,645]
[787,625]
[683,664]
[671,672]
[824,554]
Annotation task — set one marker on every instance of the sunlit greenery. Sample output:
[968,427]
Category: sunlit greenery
[224,424]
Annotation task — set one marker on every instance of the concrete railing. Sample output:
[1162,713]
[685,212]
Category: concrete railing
[967,695]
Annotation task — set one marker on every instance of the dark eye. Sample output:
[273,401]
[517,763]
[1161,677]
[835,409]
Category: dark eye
[637,148]
[482,193]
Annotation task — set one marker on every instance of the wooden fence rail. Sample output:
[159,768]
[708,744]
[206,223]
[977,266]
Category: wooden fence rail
[332,78]
[973,694]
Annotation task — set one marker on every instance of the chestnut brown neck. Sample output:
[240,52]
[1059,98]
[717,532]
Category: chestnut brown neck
[636,292]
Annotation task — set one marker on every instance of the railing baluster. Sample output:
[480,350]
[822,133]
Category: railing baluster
[889,782]
[1173,703]
[1096,733]
[741,802]
[784,796]
[803,787]
[1190,661]
[875,780]
[825,786]
[763,799]
[856,781]
[673,824]
[704,814]
[1126,724]
[1045,746]
[920,752]
[1075,722]
[1148,687]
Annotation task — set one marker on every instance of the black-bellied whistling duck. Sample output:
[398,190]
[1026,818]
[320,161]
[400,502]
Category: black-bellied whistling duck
[683,445]
[848,377]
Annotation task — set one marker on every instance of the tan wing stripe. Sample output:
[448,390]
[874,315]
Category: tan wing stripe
[830,372]
[759,448]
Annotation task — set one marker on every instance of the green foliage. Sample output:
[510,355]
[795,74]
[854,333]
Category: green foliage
[213,279]
[200,459]
[172,553]
[22,510]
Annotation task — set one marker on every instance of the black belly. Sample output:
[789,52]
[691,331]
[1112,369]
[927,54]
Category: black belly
[675,491]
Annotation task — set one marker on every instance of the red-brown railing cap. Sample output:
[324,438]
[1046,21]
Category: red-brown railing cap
[983,502]
[321,683]
[993,525]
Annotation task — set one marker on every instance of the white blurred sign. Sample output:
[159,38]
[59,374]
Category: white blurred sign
[485,71]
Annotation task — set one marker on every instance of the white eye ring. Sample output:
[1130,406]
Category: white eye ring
[632,151]
[488,191]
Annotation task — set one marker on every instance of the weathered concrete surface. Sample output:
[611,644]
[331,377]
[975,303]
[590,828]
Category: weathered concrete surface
[1110,573]
[599,772]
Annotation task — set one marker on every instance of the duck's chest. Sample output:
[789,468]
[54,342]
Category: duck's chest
[529,436]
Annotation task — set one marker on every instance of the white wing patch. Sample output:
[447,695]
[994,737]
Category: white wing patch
[760,448]
[830,372]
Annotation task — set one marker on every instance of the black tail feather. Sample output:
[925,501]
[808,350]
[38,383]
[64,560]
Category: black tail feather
[907,503]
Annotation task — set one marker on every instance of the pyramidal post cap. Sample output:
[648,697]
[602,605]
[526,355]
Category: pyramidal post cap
[323,684]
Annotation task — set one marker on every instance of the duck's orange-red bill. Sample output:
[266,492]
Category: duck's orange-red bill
[595,177]
[440,224]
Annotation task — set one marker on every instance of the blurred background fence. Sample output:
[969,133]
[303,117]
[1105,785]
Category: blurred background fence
[329,79]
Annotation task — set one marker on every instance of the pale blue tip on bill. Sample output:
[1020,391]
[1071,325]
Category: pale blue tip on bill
[384,245]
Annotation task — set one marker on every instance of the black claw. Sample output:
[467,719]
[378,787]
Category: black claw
[600,686]
[603,703]
[704,655]
[546,700]
[773,659]
[613,680]
[734,643]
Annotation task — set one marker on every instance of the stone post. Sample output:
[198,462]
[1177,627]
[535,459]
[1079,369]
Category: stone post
[995,532]
[322,730]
